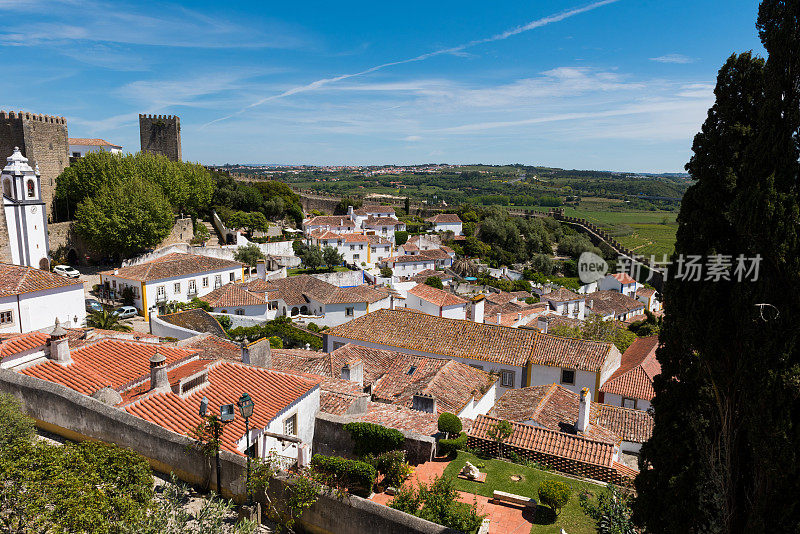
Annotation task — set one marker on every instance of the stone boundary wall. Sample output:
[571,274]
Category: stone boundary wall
[241,320]
[227,252]
[331,439]
[161,328]
[77,417]
[342,279]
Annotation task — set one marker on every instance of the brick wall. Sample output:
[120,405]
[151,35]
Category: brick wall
[161,134]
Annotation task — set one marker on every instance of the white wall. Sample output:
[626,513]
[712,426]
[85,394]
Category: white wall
[456,228]
[86,149]
[259,310]
[39,309]
[27,233]
[306,409]
[543,375]
[480,406]
[616,400]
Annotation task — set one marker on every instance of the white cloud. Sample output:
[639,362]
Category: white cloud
[673,58]
[412,138]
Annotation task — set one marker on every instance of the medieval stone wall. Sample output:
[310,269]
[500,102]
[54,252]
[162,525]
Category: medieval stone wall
[161,134]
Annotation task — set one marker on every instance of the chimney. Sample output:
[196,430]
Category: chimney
[261,269]
[59,345]
[350,211]
[158,372]
[499,318]
[519,316]
[583,411]
[423,402]
[354,372]
[476,308]
[257,353]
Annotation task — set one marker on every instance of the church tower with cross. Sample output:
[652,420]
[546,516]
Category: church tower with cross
[25,214]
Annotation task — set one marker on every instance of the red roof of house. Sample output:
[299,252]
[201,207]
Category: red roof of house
[638,366]
[91,142]
[232,295]
[624,278]
[444,218]
[18,279]
[172,265]
[15,343]
[435,296]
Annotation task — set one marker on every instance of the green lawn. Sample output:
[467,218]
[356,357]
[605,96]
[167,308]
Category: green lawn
[295,272]
[572,518]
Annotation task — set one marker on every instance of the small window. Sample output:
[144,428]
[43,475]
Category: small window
[628,403]
[411,370]
[6,317]
[76,154]
[217,281]
[233,277]
[356,256]
[348,311]
[31,189]
[239,311]
[476,366]
[205,281]
[290,425]
[176,287]
[568,376]
[337,345]
[273,305]
[507,380]
[161,291]
[192,286]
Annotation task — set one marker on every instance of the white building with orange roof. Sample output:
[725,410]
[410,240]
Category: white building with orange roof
[619,282]
[80,146]
[436,302]
[32,299]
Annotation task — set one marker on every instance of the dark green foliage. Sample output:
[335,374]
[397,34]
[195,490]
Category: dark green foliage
[439,502]
[400,237]
[393,465]
[448,447]
[449,423]
[577,244]
[723,454]
[345,203]
[124,217]
[224,321]
[249,254]
[312,257]
[554,494]
[386,272]
[15,427]
[106,320]
[612,513]
[331,257]
[370,438]
[650,326]
[355,475]
[274,199]
[281,327]
[434,281]
[596,329]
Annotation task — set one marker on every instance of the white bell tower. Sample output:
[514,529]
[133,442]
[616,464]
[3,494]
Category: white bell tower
[25,212]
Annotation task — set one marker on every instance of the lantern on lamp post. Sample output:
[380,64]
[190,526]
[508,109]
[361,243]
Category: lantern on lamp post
[246,404]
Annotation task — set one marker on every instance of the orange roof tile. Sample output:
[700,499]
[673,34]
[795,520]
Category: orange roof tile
[91,142]
[444,218]
[18,279]
[172,265]
[436,296]
[550,442]
[233,295]
[16,343]
[638,366]
[624,278]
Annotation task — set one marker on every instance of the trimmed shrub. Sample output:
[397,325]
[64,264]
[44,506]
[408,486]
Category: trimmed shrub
[449,423]
[374,439]
[355,475]
[554,494]
[448,447]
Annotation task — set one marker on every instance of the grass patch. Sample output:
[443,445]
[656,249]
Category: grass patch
[572,518]
[295,272]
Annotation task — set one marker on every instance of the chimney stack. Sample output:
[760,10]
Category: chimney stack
[423,402]
[257,353]
[59,345]
[261,269]
[584,408]
[477,307]
[354,372]
[158,372]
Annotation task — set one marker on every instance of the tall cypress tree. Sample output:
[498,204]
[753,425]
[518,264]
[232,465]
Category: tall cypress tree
[723,457]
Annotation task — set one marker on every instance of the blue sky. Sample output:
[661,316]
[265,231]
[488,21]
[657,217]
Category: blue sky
[614,84]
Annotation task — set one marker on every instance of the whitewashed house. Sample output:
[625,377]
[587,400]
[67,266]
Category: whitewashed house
[360,215]
[619,282]
[383,226]
[79,147]
[648,297]
[235,299]
[565,302]
[175,277]
[436,302]
[338,224]
[407,266]
[31,299]
[446,221]
[631,386]
[614,306]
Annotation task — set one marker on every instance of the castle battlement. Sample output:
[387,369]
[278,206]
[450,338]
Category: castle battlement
[26,116]
[160,117]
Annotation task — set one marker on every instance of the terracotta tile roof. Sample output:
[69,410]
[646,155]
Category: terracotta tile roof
[213,347]
[510,312]
[18,279]
[435,296]
[323,234]
[259,286]
[381,221]
[347,295]
[574,353]
[366,210]
[645,292]
[196,319]
[335,403]
[554,320]
[91,142]
[378,240]
[562,294]
[435,254]
[624,278]
[233,295]
[503,297]
[400,418]
[172,265]
[108,362]
[612,302]
[438,335]
[638,366]
[624,471]
[271,391]
[426,273]
[294,290]
[409,258]
[629,424]
[330,220]
[444,218]
[551,442]
[16,343]
[353,238]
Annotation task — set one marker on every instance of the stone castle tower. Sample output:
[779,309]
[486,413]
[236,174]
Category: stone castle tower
[44,141]
[161,134]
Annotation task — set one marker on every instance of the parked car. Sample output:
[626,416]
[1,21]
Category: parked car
[93,306]
[126,312]
[66,271]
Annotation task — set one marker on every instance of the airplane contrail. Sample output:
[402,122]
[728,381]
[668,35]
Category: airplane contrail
[498,37]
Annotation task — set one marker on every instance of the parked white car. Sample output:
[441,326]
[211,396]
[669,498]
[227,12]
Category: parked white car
[66,271]
[126,312]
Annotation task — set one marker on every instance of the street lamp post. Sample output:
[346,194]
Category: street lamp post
[226,415]
[246,405]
